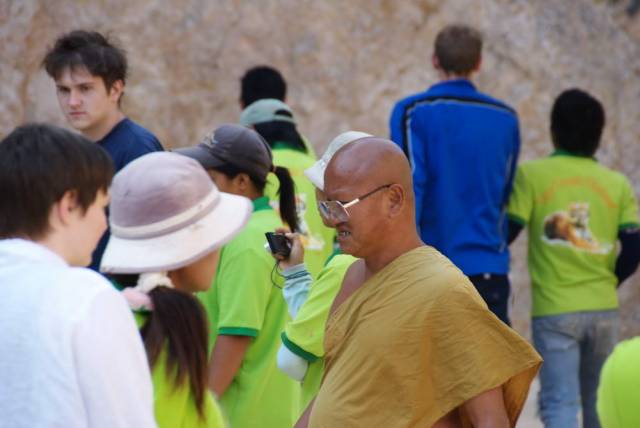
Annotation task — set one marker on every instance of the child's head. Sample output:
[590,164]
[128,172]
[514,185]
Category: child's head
[261,82]
[54,185]
[166,215]
[577,121]
[239,160]
[168,222]
[274,121]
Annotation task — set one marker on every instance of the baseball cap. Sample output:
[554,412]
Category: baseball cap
[266,110]
[236,145]
[315,173]
[166,213]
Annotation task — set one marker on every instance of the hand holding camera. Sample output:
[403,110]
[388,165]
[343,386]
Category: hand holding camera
[286,247]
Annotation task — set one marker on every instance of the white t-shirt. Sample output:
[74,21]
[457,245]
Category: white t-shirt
[70,353]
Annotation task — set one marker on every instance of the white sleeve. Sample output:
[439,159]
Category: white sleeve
[297,282]
[112,369]
[294,366]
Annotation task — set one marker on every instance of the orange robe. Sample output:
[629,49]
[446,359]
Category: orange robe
[413,343]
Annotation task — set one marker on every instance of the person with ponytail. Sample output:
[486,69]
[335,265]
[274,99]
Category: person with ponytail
[168,222]
[274,121]
[245,306]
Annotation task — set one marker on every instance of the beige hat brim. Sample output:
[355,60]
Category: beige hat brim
[182,247]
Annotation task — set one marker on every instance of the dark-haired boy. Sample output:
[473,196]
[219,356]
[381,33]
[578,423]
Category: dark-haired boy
[261,82]
[575,210]
[463,147]
[265,82]
[90,74]
[71,353]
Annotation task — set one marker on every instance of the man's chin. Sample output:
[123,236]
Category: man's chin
[345,248]
[79,124]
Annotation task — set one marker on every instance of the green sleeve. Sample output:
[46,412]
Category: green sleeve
[244,286]
[304,336]
[628,208]
[521,200]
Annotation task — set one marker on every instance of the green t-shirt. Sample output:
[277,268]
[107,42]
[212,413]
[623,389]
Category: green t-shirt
[316,237]
[175,406]
[243,301]
[618,389]
[574,209]
[304,336]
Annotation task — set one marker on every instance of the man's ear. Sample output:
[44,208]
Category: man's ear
[63,210]
[435,62]
[116,91]
[477,66]
[396,199]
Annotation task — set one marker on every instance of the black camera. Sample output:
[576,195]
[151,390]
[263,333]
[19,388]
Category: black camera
[279,244]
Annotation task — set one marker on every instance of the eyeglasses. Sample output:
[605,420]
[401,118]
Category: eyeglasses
[337,210]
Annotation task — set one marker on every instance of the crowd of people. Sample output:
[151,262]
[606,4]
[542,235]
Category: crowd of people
[389,303]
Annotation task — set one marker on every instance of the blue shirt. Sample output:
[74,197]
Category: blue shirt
[463,148]
[124,143]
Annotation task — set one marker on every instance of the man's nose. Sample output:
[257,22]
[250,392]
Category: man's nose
[74,98]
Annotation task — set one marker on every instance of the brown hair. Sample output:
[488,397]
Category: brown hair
[39,163]
[179,322]
[89,49]
[458,48]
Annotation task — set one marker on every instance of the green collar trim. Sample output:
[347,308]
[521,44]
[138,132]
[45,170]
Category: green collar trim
[261,204]
[282,145]
[562,152]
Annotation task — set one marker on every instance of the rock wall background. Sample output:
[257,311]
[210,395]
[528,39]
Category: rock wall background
[346,64]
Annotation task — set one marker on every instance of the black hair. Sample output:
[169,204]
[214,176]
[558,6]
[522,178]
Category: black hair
[262,82]
[286,191]
[577,121]
[39,163]
[88,49]
[178,322]
[279,131]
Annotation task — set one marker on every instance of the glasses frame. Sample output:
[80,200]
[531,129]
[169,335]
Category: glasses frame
[325,211]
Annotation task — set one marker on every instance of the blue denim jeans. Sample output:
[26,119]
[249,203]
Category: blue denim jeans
[574,347]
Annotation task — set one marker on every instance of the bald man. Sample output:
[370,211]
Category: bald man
[409,341]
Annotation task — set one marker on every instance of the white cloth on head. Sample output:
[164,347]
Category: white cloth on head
[70,352]
[151,280]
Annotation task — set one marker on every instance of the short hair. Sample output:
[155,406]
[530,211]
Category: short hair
[458,48]
[39,163]
[577,121]
[88,49]
[262,82]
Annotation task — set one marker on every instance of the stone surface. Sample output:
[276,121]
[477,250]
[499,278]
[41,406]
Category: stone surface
[346,63]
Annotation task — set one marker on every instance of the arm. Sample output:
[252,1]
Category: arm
[297,280]
[116,391]
[294,366]
[303,422]
[487,410]
[419,162]
[396,125]
[514,230]
[226,358]
[629,256]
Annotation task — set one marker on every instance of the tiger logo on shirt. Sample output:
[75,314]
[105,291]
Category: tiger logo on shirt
[571,228]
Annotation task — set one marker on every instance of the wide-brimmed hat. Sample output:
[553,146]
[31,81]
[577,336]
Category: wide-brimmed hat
[166,213]
[315,173]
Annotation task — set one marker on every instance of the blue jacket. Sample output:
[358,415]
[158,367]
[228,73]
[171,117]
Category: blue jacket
[463,148]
